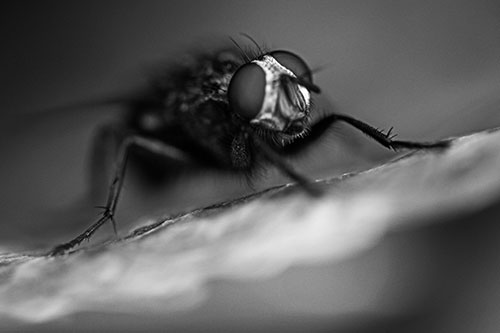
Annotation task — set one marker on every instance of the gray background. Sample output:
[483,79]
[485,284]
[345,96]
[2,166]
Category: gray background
[431,69]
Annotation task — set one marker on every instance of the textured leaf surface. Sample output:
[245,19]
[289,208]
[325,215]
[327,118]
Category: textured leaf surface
[232,254]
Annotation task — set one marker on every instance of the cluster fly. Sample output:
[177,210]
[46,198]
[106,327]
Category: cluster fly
[236,110]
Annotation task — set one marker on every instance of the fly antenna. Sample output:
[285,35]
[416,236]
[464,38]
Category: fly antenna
[300,80]
[309,85]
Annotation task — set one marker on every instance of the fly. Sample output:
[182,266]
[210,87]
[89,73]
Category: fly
[234,110]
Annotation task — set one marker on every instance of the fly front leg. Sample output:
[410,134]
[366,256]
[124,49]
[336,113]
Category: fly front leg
[318,129]
[157,147]
[386,139]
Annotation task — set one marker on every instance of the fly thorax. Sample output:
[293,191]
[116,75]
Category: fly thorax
[285,101]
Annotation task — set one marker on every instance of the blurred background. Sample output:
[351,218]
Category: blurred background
[431,69]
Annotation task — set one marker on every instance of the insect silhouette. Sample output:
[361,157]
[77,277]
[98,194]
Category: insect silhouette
[238,110]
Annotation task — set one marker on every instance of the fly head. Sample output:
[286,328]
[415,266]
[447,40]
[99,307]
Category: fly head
[273,93]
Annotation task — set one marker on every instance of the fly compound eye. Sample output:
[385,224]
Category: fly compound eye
[294,63]
[246,90]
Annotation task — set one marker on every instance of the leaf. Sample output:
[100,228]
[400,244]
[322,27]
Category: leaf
[176,263]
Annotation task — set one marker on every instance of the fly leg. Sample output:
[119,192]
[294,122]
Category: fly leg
[154,146]
[320,128]
[104,152]
[278,161]
[385,139]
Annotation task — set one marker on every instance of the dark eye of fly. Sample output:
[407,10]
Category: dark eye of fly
[246,90]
